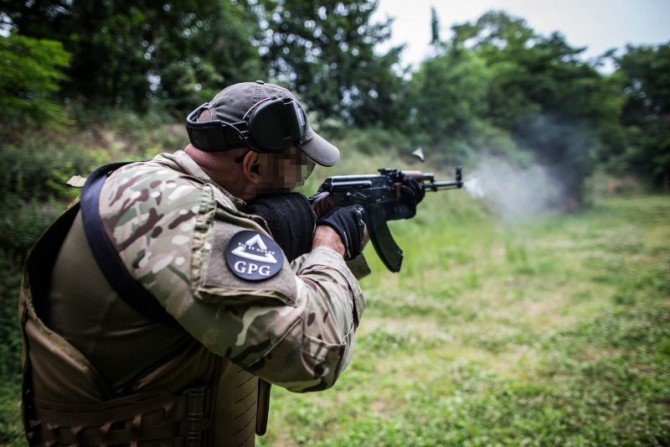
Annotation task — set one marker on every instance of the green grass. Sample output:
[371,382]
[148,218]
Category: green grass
[554,331]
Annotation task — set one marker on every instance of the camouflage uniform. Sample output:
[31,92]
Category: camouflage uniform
[171,225]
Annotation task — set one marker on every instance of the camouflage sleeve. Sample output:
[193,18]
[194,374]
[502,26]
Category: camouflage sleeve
[358,266]
[293,328]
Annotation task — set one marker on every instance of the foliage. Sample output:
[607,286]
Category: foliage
[645,71]
[126,53]
[500,71]
[31,72]
[448,95]
[373,140]
[35,167]
[492,73]
[326,51]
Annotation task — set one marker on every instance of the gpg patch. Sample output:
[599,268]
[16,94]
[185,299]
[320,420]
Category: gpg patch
[253,256]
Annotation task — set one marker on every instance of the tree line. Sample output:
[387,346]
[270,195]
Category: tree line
[493,85]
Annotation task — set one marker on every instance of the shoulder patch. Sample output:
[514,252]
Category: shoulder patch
[253,256]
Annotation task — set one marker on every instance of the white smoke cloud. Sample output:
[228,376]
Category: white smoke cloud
[514,193]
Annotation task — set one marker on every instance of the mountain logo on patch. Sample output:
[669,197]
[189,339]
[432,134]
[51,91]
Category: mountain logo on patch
[251,249]
[253,256]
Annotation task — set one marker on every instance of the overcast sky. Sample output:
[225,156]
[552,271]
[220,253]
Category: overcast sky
[596,24]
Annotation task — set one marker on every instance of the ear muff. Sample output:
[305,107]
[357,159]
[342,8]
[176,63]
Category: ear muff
[274,125]
[277,124]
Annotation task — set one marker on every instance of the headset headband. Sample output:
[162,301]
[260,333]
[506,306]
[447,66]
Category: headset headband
[273,125]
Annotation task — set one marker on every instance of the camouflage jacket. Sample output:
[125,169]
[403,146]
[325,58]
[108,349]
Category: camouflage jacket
[172,226]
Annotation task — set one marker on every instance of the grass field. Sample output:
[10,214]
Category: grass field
[549,332]
[552,332]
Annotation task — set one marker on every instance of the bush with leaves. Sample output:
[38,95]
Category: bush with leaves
[31,70]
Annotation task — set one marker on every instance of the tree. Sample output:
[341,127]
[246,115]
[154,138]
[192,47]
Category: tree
[31,71]
[448,96]
[645,73]
[557,105]
[215,48]
[325,50]
[434,27]
[127,53]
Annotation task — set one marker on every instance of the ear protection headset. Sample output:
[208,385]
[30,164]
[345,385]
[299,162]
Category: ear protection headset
[270,126]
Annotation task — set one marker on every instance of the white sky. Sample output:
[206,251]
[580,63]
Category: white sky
[596,24]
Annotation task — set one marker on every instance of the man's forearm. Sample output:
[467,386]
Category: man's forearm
[327,237]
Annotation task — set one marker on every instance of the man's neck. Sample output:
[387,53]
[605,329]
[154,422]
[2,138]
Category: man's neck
[223,170]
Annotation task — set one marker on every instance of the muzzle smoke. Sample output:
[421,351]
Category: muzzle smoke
[514,193]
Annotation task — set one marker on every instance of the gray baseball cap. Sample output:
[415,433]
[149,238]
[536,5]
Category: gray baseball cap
[233,103]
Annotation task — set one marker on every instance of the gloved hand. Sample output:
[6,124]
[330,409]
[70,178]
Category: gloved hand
[411,192]
[348,223]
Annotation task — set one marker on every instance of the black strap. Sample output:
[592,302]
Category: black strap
[106,256]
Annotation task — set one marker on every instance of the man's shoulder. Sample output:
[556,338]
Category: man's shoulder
[143,203]
[151,174]
[150,187]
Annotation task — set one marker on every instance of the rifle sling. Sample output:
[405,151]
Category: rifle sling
[106,256]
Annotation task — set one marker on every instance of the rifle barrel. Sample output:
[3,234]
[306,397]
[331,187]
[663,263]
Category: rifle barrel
[436,186]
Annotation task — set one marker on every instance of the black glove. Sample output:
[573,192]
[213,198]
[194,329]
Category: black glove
[412,192]
[348,223]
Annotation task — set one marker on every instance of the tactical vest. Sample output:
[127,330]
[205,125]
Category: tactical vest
[192,398]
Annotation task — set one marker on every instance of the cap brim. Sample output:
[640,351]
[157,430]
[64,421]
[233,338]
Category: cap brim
[321,151]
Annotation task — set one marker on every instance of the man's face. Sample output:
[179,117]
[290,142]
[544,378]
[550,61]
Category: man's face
[281,173]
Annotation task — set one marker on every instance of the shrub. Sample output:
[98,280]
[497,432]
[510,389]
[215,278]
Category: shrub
[31,70]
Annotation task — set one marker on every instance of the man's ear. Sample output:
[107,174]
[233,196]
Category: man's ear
[251,167]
